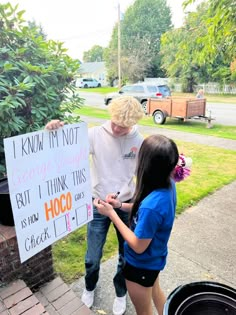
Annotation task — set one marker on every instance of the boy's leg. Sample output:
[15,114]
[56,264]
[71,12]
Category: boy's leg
[96,236]
[119,280]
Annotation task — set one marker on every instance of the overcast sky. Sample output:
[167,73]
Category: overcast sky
[80,24]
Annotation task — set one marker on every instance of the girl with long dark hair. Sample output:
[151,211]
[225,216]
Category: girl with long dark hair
[152,215]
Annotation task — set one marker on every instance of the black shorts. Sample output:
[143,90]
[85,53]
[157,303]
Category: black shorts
[144,277]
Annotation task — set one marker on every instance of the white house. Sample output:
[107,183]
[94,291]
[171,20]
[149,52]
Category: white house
[95,70]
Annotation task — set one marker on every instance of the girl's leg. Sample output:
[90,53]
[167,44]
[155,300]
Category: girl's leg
[158,297]
[141,297]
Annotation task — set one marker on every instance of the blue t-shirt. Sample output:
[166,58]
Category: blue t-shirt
[154,219]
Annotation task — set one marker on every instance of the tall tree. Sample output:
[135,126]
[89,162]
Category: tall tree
[221,28]
[94,54]
[181,50]
[141,29]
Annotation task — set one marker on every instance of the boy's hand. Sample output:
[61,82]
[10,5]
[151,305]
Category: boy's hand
[54,124]
[112,200]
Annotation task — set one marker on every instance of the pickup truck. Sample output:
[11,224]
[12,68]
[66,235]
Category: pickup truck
[179,107]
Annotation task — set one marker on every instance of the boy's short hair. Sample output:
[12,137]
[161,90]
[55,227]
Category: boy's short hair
[125,111]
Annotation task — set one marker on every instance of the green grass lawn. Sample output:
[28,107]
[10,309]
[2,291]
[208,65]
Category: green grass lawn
[212,169]
[101,90]
[228,132]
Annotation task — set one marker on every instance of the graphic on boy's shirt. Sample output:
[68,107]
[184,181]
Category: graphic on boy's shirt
[132,154]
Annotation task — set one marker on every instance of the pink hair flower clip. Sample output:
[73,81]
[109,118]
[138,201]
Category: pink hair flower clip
[182,169]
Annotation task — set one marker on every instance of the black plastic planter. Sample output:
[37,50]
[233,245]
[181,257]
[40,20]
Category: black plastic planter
[6,216]
[201,298]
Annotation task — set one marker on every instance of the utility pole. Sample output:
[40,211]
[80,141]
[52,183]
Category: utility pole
[118,51]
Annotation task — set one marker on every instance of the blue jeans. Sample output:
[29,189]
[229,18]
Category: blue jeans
[97,230]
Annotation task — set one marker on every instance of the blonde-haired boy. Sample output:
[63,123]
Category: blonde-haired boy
[114,148]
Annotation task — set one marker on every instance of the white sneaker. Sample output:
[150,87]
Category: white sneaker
[88,298]
[119,305]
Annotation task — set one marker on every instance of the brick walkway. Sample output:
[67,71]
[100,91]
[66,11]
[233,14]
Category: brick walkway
[54,298]
[17,298]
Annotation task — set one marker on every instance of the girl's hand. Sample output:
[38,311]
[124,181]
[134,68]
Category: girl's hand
[112,200]
[103,207]
[54,124]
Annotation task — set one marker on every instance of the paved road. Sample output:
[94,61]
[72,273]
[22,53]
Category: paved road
[224,114]
[93,99]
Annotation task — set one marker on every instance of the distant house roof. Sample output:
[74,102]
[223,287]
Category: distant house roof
[91,67]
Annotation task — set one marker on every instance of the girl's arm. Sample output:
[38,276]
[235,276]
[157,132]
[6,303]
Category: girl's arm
[138,245]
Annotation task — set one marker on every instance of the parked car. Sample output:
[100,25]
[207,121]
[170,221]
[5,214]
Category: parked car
[141,91]
[87,83]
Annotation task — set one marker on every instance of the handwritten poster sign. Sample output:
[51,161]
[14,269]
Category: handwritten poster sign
[49,184]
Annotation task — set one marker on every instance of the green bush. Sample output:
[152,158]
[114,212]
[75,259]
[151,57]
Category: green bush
[36,78]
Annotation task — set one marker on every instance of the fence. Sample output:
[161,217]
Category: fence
[209,88]
[215,88]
